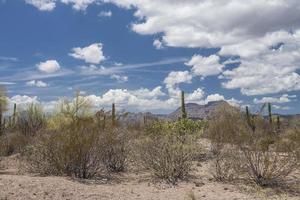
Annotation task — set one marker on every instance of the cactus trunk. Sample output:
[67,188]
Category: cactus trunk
[113,114]
[270,113]
[183,111]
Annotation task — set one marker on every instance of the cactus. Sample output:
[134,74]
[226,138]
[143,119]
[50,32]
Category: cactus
[15,114]
[113,114]
[270,113]
[278,122]
[183,111]
[250,119]
[248,114]
[1,126]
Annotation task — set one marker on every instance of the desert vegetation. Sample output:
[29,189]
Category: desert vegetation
[76,141]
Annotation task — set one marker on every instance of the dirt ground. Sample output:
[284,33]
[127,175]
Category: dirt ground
[15,184]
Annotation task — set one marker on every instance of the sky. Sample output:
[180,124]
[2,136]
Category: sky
[140,54]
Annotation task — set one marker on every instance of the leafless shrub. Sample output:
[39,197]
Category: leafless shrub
[270,167]
[169,156]
[73,150]
[114,149]
[11,143]
[31,120]
[257,154]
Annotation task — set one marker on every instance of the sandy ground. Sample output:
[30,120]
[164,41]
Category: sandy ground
[130,186]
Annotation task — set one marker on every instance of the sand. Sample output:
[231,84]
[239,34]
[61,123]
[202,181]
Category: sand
[15,184]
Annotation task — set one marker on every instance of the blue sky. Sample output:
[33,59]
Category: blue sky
[140,55]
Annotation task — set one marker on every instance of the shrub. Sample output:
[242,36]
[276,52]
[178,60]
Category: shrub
[73,150]
[225,166]
[114,149]
[180,127]
[261,155]
[270,167]
[11,143]
[168,156]
[31,120]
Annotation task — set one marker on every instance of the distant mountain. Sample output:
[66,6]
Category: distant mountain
[196,111]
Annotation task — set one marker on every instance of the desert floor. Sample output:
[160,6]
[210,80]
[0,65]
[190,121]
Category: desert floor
[134,184]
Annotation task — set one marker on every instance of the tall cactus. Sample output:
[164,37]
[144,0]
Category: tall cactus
[248,114]
[1,127]
[183,111]
[278,122]
[270,113]
[15,114]
[250,119]
[113,114]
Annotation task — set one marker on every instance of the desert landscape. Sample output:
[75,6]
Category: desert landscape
[149,157]
[149,100]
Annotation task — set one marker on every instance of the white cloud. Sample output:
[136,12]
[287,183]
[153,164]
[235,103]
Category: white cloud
[119,78]
[105,14]
[205,66]
[285,98]
[43,5]
[215,97]
[37,83]
[6,83]
[277,107]
[158,44]
[174,78]
[23,100]
[273,71]
[49,66]
[80,4]
[90,54]
[230,26]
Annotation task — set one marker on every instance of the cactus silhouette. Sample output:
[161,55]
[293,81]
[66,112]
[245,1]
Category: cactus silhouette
[1,126]
[183,111]
[270,113]
[278,122]
[113,114]
[15,114]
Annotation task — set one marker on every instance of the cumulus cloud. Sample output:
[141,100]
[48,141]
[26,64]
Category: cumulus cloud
[205,66]
[174,78]
[23,99]
[230,26]
[105,14]
[273,71]
[90,54]
[43,5]
[49,66]
[285,98]
[158,44]
[119,78]
[80,4]
[37,83]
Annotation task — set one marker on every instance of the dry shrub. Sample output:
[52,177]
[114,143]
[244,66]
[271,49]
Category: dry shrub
[270,167]
[11,143]
[168,156]
[226,165]
[31,120]
[257,155]
[79,149]
[114,149]
[74,150]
